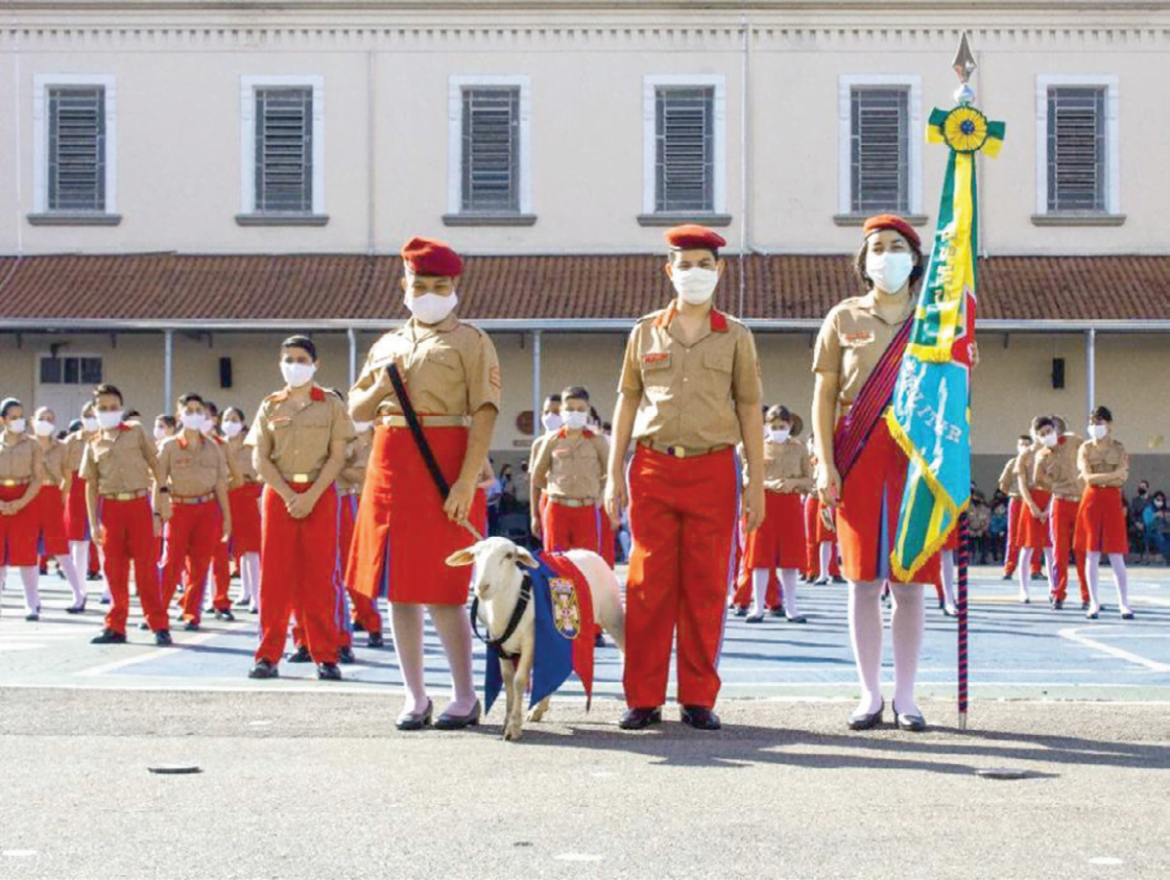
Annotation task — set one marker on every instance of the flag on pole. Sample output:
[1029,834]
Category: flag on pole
[930,417]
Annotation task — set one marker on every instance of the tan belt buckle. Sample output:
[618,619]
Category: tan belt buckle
[124,496]
[677,451]
[300,478]
[8,482]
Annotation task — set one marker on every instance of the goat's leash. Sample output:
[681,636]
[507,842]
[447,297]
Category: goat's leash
[513,621]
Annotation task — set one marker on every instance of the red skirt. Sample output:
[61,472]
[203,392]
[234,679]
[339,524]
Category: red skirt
[779,542]
[51,506]
[244,503]
[76,516]
[1101,522]
[822,532]
[19,532]
[1034,534]
[402,537]
[874,486]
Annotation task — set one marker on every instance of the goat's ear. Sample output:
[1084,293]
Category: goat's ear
[523,557]
[463,557]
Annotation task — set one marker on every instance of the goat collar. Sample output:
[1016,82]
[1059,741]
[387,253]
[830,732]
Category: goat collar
[513,621]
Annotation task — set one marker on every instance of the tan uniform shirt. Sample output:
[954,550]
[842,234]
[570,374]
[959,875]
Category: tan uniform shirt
[297,438]
[1105,457]
[1008,482]
[120,461]
[689,392]
[357,457]
[1026,468]
[1056,469]
[787,467]
[241,456]
[192,469]
[574,467]
[55,459]
[74,449]
[18,460]
[451,369]
[852,341]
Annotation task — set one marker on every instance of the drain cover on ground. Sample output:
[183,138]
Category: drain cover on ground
[174,769]
[1001,773]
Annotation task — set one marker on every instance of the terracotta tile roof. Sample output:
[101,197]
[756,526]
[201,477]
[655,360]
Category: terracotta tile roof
[179,287]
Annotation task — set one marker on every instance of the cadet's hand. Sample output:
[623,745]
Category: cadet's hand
[458,503]
[165,508]
[616,497]
[828,485]
[6,508]
[827,519]
[158,526]
[227,529]
[753,505]
[535,525]
[300,505]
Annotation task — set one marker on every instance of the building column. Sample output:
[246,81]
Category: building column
[351,334]
[168,371]
[1090,369]
[536,396]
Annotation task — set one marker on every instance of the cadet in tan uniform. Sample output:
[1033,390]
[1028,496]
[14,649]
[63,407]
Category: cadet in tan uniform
[779,544]
[119,466]
[1056,470]
[244,501]
[1103,464]
[192,500]
[406,530]
[365,610]
[21,475]
[551,421]
[689,391]
[300,437]
[1035,499]
[571,466]
[1009,485]
[57,484]
[82,546]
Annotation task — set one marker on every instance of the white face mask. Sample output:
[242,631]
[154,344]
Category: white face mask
[575,421]
[431,308]
[695,286]
[17,426]
[43,427]
[110,420]
[1049,440]
[1098,432]
[208,426]
[889,271]
[160,433]
[779,435]
[297,375]
[90,424]
[232,429]
[551,421]
[192,421]
[362,427]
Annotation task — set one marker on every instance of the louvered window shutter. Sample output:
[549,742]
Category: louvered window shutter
[77,149]
[284,150]
[880,149]
[1076,149]
[685,149]
[491,150]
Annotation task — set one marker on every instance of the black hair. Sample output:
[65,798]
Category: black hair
[302,342]
[1043,422]
[132,414]
[167,420]
[192,396]
[1103,413]
[780,413]
[210,406]
[74,425]
[575,392]
[1026,438]
[237,411]
[7,404]
[106,389]
[553,398]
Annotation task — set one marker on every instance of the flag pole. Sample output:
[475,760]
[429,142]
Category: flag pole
[964,559]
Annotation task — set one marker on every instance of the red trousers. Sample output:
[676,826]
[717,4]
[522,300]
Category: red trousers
[191,538]
[298,563]
[683,518]
[571,528]
[1062,523]
[128,536]
[365,611]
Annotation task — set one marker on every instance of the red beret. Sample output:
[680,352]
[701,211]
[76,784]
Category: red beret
[691,236]
[896,223]
[428,256]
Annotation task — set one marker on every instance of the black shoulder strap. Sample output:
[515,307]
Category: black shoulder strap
[513,622]
[416,431]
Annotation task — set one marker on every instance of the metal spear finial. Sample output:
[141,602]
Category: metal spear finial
[964,65]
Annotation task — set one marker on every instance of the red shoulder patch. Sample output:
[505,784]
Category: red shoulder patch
[316,393]
[718,321]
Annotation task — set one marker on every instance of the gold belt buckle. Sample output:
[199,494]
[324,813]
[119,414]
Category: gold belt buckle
[8,482]
[300,478]
[124,496]
[677,451]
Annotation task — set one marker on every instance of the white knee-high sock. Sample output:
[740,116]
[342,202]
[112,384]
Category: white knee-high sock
[79,550]
[907,623]
[865,632]
[250,576]
[454,629]
[29,576]
[947,576]
[1023,571]
[788,578]
[3,576]
[826,559]
[1093,576]
[1121,578]
[71,575]
[759,589]
[1050,565]
[406,622]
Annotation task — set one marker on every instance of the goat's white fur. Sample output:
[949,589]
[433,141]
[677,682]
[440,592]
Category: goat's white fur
[497,581]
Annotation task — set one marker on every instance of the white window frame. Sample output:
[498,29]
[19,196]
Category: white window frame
[845,85]
[456,83]
[248,87]
[42,82]
[1112,136]
[650,85]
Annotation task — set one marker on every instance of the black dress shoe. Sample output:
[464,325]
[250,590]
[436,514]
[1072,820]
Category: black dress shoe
[741,611]
[301,655]
[862,721]
[32,617]
[778,611]
[191,626]
[163,638]
[346,656]
[357,627]
[76,609]
[105,601]
[264,669]
[758,617]
[700,718]
[1084,605]
[415,720]
[798,618]
[914,723]
[375,640]
[448,721]
[225,615]
[1127,615]
[640,718]
[599,641]
[109,637]
[328,672]
[1006,577]
[242,603]
[144,626]
[838,579]
[93,576]
[822,582]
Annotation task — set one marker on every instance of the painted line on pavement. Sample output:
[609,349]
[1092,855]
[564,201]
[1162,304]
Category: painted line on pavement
[1074,635]
[200,639]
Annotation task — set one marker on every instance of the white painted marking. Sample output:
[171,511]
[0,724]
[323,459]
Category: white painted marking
[19,853]
[1073,635]
[603,774]
[201,638]
[22,646]
[578,857]
[1105,860]
[259,723]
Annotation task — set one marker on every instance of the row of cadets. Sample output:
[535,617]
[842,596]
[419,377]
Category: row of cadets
[689,391]
[1009,485]
[83,546]
[56,487]
[220,571]
[405,529]
[21,475]
[244,502]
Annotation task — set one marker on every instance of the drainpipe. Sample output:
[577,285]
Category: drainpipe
[1090,369]
[168,370]
[351,335]
[536,398]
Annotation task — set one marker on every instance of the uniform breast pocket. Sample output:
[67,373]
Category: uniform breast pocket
[719,361]
[445,360]
[656,369]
